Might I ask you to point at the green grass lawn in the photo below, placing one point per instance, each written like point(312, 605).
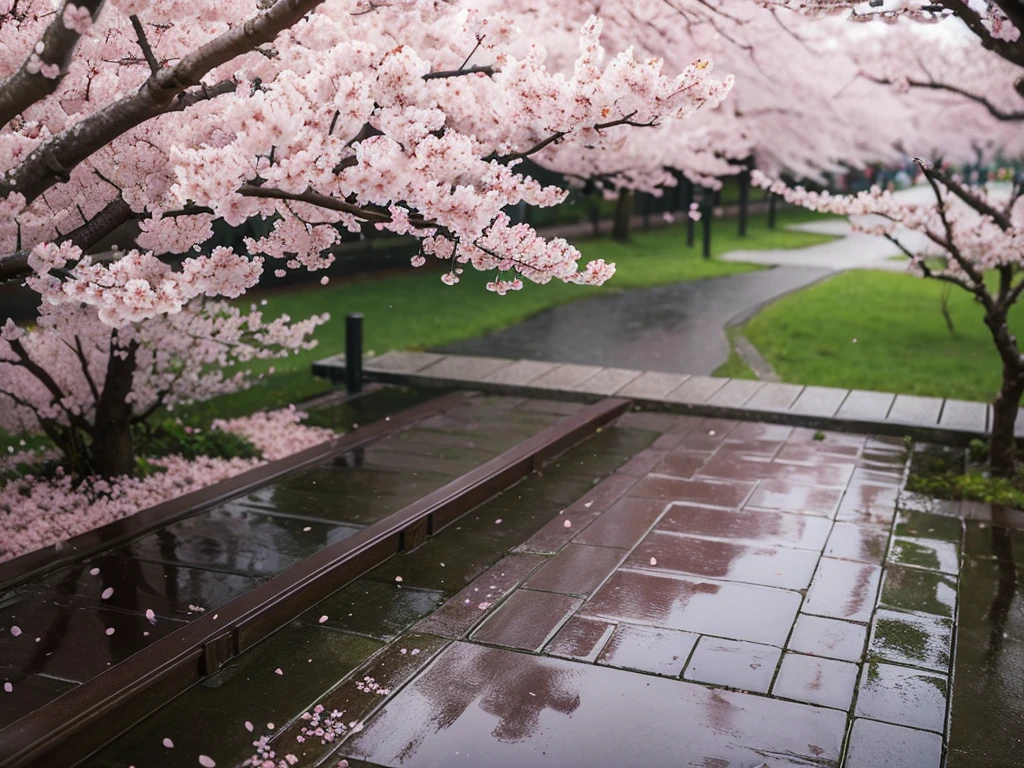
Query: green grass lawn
point(417, 311)
point(902, 342)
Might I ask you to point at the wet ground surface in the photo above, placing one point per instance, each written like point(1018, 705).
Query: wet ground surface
point(677, 328)
point(67, 627)
point(674, 591)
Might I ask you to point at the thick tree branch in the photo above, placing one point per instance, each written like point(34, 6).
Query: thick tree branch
point(24, 87)
point(1011, 51)
point(481, 69)
point(113, 215)
point(53, 161)
point(996, 112)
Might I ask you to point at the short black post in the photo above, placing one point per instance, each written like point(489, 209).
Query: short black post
point(354, 352)
point(772, 197)
point(706, 215)
point(744, 200)
point(646, 209)
point(687, 202)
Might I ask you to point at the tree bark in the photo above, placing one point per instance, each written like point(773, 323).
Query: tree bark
point(623, 216)
point(1003, 445)
point(1003, 448)
point(112, 450)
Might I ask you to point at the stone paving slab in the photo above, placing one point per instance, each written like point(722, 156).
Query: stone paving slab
point(925, 418)
point(773, 607)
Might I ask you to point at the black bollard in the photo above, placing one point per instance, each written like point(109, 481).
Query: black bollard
point(354, 352)
point(771, 210)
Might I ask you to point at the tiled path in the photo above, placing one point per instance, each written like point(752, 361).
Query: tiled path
point(741, 557)
point(77, 621)
point(730, 594)
point(929, 418)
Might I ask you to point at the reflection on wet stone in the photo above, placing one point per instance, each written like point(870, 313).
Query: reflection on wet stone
point(829, 638)
point(513, 709)
point(527, 619)
point(880, 745)
point(769, 566)
point(864, 543)
point(843, 590)
point(910, 589)
point(580, 639)
point(911, 639)
point(756, 526)
point(648, 649)
point(371, 608)
point(826, 682)
point(902, 696)
point(732, 663)
point(721, 608)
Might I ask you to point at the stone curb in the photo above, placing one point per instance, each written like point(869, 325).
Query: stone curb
point(923, 418)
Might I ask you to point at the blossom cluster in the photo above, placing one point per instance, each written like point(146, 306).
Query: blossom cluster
point(967, 240)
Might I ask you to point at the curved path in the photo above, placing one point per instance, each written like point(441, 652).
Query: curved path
point(675, 328)
point(680, 328)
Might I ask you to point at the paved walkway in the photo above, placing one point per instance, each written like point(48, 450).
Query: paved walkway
point(675, 591)
point(675, 329)
point(928, 418)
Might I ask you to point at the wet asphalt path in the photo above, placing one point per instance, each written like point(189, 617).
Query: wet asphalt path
point(677, 328)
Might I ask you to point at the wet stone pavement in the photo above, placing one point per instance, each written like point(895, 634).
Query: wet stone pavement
point(68, 626)
point(674, 591)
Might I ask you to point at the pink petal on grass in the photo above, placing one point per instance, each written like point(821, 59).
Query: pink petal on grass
point(105, 595)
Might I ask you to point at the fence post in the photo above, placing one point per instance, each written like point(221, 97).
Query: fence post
point(354, 352)
point(771, 210)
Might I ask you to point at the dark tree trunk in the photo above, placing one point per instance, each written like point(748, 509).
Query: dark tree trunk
point(771, 210)
point(691, 225)
point(705, 219)
point(623, 216)
point(112, 450)
point(744, 202)
point(1003, 446)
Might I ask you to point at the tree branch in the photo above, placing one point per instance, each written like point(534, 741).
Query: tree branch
point(483, 69)
point(55, 158)
point(24, 88)
point(996, 112)
point(147, 51)
point(974, 201)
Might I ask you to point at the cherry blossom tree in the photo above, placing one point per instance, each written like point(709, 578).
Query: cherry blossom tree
point(411, 116)
point(971, 236)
